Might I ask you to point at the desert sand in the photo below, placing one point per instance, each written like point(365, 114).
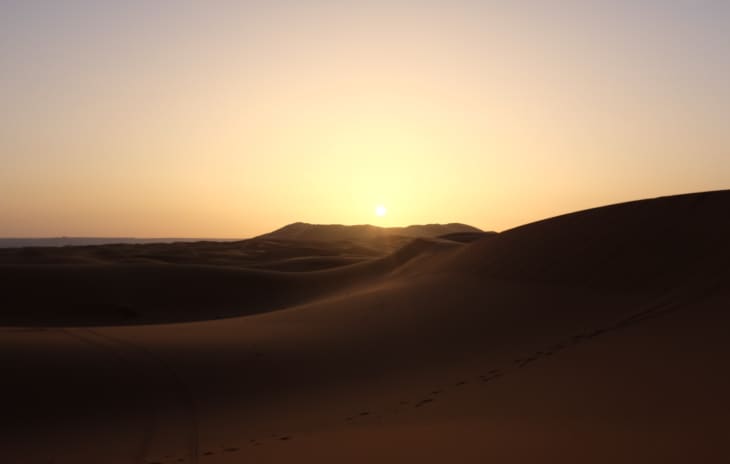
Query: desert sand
point(599, 336)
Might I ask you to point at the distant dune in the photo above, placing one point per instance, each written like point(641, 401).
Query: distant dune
point(598, 336)
point(86, 241)
point(466, 237)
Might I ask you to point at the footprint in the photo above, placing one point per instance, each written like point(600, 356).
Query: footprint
point(284, 438)
point(364, 413)
point(424, 402)
point(230, 450)
point(208, 453)
point(527, 361)
point(459, 384)
point(488, 378)
point(436, 392)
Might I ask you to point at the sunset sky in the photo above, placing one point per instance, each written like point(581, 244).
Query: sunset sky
point(230, 119)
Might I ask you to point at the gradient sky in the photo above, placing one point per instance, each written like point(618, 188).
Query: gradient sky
point(229, 119)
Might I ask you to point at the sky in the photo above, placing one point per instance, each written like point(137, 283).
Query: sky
point(231, 118)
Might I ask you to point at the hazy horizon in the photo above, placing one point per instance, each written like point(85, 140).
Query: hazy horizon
point(231, 119)
point(155, 239)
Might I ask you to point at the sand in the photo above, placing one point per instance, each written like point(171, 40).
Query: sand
point(599, 336)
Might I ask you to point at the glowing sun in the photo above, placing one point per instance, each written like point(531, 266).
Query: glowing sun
point(381, 210)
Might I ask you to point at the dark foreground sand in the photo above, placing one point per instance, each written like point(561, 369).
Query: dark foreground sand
point(600, 336)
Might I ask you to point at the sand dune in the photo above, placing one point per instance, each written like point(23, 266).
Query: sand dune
point(121, 293)
point(592, 337)
point(659, 242)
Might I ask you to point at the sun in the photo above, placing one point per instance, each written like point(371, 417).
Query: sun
point(381, 210)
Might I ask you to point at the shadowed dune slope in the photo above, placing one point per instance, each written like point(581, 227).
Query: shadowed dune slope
point(647, 243)
point(466, 237)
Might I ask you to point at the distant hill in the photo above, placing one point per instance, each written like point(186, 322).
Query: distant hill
point(333, 232)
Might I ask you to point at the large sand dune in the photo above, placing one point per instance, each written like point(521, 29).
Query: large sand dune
point(599, 336)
